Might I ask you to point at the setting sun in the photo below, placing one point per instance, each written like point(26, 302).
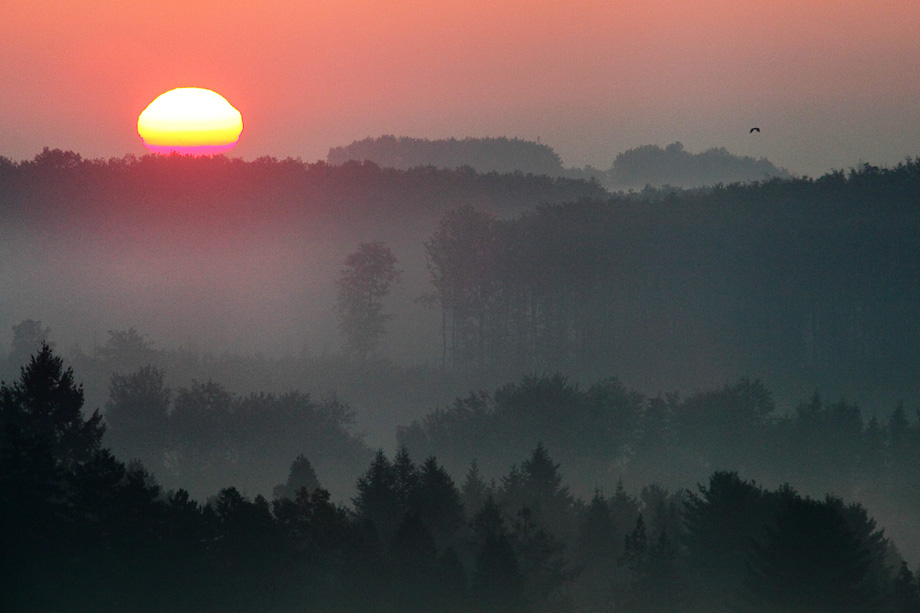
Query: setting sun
point(190, 120)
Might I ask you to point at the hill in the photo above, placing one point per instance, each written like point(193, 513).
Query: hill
point(502, 155)
point(677, 167)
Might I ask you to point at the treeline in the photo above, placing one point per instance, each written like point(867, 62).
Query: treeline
point(648, 165)
point(202, 434)
point(809, 283)
point(197, 418)
point(195, 432)
point(502, 155)
point(266, 186)
point(677, 167)
point(82, 531)
point(606, 429)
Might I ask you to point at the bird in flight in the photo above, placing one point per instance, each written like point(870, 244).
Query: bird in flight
point(754, 130)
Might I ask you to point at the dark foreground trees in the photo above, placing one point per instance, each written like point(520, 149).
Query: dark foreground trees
point(81, 531)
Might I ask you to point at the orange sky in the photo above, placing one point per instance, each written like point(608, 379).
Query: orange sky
point(831, 83)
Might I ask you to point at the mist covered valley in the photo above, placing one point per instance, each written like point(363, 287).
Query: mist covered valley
point(628, 344)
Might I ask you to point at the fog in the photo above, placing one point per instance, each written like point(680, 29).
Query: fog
point(353, 381)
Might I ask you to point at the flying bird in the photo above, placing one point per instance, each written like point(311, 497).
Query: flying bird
point(754, 130)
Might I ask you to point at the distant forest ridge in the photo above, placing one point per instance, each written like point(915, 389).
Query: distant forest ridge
point(635, 168)
point(675, 166)
point(59, 177)
point(483, 154)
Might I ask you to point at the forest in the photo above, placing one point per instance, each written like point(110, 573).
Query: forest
point(83, 531)
point(634, 168)
point(280, 383)
point(500, 155)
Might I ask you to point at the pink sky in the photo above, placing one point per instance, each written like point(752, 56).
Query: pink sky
point(830, 83)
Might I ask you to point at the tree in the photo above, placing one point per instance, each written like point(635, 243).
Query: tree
point(28, 337)
point(721, 522)
point(137, 414)
point(537, 485)
point(497, 584)
point(656, 583)
point(378, 501)
point(905, 592)
point(44, 408)
point(596, 548)
point(250, 546)
point(474, 491)
point(201, 428)
point(414, 556)
point(406, 480)
point(44, 442)
point(811, 561)
point(362, 285)
point(596, 541)
point(301, 476)
point(543, 566)
point(438, 502)
point(461, 258)
point(126, 349)
point(898, 430)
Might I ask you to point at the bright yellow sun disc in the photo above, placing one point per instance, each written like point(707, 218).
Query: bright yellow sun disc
point(190, 120)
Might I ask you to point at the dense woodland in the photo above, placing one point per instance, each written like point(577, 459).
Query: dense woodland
point(83, 531)
point(759, 339)
point(805, 282)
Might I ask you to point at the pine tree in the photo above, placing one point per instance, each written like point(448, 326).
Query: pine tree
point(45, 441)
point(377, 501)
point(811, 560)
point(438, 502)
point(301, 476)
point(406, 480)
point(905, 591)
point(497, 582)
point(45, 408)
point(414, 556)
point(474, 491)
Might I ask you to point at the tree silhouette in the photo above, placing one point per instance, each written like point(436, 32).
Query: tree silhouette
point(414, 556)
point(656, 584)
point(905, 592)
point(462, 261)
point(301, 476)
point(377, 501)
point(497, 583)
point(201, 428)
point(721, 521)
point(438, 502)
point(45, 441)
point(28, 337)
point(811, 561)
point(362, 285)
point(474, 491)
point(45, 408)
point(126, 349)
point(137, 414)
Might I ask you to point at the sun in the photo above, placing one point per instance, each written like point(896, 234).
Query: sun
point(190, 120)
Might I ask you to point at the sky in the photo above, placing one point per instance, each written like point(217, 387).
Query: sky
point(830, 83)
